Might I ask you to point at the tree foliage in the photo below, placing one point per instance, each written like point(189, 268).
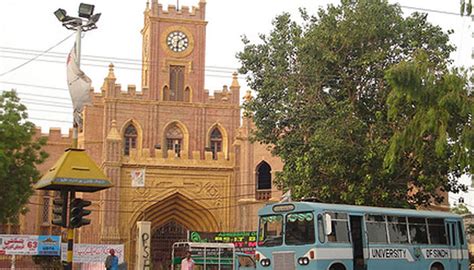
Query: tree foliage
point(19, 155)
point(460, 209)
point(322, 104)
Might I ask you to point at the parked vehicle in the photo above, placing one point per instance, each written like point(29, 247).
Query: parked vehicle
point(304, 235)
point(211, 256)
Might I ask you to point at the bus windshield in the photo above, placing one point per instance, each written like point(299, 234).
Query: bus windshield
point(299, 229)
point(270, 231)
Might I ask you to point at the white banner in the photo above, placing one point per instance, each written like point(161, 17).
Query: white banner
point(138, 177)
point(14, 244)
point(90, 253)
point(79, 86)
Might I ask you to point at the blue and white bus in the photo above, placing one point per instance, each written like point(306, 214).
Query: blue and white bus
point(305, 235)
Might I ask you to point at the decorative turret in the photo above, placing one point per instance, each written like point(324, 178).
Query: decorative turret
point(235, 88)
point(113, 144)
point(111, 198)
point(108, 87)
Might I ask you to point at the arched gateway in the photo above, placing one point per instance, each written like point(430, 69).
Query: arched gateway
point(171, 219)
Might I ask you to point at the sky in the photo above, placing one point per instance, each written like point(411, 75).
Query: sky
point(28, 28)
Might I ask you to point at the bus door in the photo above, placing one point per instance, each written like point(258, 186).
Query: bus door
point(455, 244)
point(357, 242)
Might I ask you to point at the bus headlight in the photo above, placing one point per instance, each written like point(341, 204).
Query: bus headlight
point(303, 261)
point(265, 262)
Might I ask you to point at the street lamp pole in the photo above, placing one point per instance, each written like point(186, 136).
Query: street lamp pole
point(86, 21)
point(75, 127)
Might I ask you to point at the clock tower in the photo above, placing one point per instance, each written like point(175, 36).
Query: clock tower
point(173, 61)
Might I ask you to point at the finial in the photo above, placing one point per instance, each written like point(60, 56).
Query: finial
point(111, 74)
point(235, 81)
point(113, 132)
point(248, 96)
point(147, 5)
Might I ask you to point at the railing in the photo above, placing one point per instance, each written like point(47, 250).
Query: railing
point(263, 194)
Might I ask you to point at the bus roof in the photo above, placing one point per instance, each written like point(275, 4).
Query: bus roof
point(311, 206)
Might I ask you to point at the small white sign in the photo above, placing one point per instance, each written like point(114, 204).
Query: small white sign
point(138, 177)
point(90, 253)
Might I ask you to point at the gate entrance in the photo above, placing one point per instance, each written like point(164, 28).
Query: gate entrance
point(162, 241)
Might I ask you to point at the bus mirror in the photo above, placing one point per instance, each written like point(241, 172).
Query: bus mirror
point(327, 224)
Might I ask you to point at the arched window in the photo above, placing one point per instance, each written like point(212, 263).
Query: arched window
point(216, 142)
point(166, 93)
point(176, 83)
point(174, 140)
point(264, 176)
point(187, 94)
point(130, 139)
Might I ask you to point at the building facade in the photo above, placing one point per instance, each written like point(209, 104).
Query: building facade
point(176, 155)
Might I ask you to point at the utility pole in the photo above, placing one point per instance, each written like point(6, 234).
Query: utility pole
point(64, 178)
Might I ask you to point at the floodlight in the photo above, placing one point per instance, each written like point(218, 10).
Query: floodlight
point(60, 14)
point(86, 10)
point(94, 18)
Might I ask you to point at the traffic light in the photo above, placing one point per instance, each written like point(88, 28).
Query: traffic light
point(60, 210)
point(78, 213)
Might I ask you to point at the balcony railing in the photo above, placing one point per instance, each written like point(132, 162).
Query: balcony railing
point(263, 194)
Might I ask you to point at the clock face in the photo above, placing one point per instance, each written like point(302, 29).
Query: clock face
point(177, 41)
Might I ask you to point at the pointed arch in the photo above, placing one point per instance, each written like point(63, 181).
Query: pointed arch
point(263, 176)
point(179, 207)
point(171, 138)
point(126, 127)
point(165, 93)
point(187, 94)
point(225, 138)
point(175, 207)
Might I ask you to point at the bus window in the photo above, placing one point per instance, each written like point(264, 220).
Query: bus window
point(418, 233)
point(321, 235)
point(376, 228)
point(437, 231)
point(461, 234)
point(397, 230)
point(299, 229)
point(340, 229)
point(270, 231)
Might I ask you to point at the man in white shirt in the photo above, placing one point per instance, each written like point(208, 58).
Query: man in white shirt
point(187, 263)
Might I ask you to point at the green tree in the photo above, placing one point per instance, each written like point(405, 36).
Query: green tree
point(19, 155)
point(321, 102)
point(460, 209)
point(431, 112)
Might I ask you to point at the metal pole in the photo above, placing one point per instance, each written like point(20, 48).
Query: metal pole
point(75, 129)
point(13, 262)
point(75, 136)
point(70, 238)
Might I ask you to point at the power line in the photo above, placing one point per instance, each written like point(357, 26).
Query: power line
point(431, 10)
point(101, 58)
point(35, 86)
point(36, 57)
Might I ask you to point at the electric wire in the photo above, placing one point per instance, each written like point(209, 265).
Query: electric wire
point(36, 57)
point(107, 59)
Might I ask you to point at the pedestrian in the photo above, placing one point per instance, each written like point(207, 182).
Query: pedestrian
point(111, 262)
point(187, 263)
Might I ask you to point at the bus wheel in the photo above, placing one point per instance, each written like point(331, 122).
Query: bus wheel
point(437, 266)
point(337, 266)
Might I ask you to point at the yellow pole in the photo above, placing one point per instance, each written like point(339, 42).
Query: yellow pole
point(70, 236)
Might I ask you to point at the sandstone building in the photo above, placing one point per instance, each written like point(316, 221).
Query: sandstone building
point(200, 170)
